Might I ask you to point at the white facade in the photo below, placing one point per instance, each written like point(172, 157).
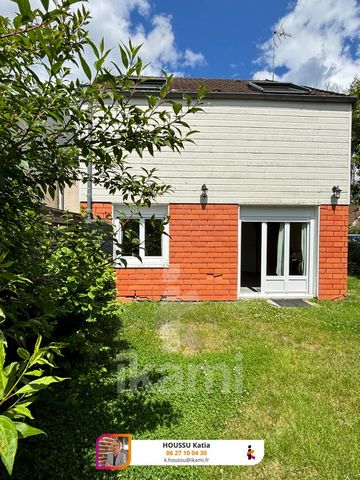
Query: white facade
point(257, 152)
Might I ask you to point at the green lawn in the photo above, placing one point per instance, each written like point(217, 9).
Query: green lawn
point(298, 383)
point(297, 387)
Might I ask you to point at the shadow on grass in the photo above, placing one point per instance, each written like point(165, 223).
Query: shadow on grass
point(74, 413)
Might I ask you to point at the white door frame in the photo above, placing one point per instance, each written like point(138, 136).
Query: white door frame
point(286, 215)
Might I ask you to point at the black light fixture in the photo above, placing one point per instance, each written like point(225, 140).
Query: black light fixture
point(204, 190)
point(336, 191)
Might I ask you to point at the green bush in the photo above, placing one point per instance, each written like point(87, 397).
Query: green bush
point(70, 298)
point(355, 230)
point(354, 259)
point(70, 282)
point(83, 288)
point(19, 384)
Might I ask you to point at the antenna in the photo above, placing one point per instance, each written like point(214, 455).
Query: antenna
point(278, 34)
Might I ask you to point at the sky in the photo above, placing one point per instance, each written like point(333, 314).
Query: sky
point(233, 38)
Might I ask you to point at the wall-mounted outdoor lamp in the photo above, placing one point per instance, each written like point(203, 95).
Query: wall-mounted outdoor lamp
point(336, 191)
point(204, 196)
point(204, 190)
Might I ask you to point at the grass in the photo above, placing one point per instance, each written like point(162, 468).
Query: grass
point(297, 387)
point(300, 385)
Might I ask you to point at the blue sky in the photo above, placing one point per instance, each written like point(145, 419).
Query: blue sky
point(233, 38)
point(227, 33)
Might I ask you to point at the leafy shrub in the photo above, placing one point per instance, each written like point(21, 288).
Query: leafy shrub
point(18, 389)
point(354, 259)
point(83, 287)
point(70, 283)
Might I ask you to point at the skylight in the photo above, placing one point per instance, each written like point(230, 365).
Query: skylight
point(268, 86)
point(151, 83)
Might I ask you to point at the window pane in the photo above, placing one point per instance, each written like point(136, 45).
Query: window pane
point(275, 248)
point(298, 248)
point(130, 237)
point(153, 237)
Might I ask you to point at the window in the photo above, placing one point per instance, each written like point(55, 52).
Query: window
point(143, 235)
point(269, 86)
point(298, 248)
point(275, 249)
point(149, 84)
point(130, 237)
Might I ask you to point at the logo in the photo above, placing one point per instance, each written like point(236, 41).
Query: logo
point(250, 453)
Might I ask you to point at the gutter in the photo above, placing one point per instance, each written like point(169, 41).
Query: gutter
point(257, 96)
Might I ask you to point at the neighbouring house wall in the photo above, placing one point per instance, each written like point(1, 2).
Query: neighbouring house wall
point(256, 152)
point(203, 258)
point(53, 202)
point(333, 247)
point(71, 199)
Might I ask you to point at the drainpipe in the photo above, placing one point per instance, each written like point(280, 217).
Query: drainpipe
point(89, 181)
point(89, 193)
point(62, 200)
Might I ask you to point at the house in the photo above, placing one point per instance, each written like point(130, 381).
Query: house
point(260, 203)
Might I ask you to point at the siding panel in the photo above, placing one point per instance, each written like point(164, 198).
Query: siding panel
point(253, 152)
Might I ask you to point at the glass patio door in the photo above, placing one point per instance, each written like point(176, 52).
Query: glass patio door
point(285, 258)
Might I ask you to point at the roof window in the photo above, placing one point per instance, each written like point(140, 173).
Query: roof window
point(268, 86)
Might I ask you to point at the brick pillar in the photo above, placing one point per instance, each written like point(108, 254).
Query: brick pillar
point(333, 248)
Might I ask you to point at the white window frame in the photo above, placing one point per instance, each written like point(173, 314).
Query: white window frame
point(158, 212)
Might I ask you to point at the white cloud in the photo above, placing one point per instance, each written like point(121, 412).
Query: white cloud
point(319, 51)
point(114, 20)
point(193, 59)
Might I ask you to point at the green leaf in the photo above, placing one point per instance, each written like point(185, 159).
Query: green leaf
point(24, 354)
point(24, 7)
point(3, 377)
point(45, 4)
point(19, 411)
point(124, 57)
point(35, 373)
point(177, 107)
point(38, 384)
point(8, 442)
point(71, 2)
point(26, 430)
point(102, 45)
point(85, 67)
point(152, 101)
point(17, 21)
point(94, 47)
point(9, 377)
point(37, 344)
point(2, 354)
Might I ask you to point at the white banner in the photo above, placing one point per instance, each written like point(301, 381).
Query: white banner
point(196, 452)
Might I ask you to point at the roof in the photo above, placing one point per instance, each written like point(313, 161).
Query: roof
point(262, 89)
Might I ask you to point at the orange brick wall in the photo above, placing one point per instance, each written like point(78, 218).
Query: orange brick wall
point(333, 246)
point(102, 210)
point(203, 258)
point(204, 255)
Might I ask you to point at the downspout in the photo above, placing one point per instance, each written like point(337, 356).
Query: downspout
point(89, 182)
point(89, 193)
point(62, 200)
